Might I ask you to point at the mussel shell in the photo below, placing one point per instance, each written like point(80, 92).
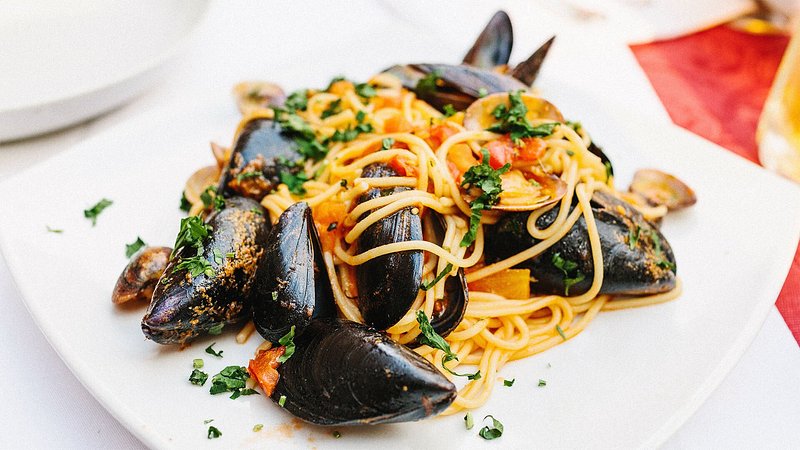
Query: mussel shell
point(493, 46)
point(139, 278)
point(527, 71)
point(389, 284)
point(292, 285)
point(597, 151)
point(185, 307)
point(345, 373)
point(262, 148)
point(639, 270)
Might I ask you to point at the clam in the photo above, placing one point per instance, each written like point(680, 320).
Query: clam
point(141, 274)
point(659, 188)
point(252, 96)
point(479, 115)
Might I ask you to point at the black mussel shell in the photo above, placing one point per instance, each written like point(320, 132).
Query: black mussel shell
point(292, 285)
point(493, 46)
point(345, 373)
point(637, 259)
point(389, 284)
point(527, 71)
point(261, 153)
point(185, 307)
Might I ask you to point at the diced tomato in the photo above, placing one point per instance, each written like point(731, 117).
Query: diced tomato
point(461, 157)
point(501, 151)
point(324, 215)
point(440, 133)
point(263, 369)
point(531, 149)
point(403, 166)
point(396, 124)
point(390, 101)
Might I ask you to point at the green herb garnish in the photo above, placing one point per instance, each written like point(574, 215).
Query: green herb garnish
point(196, 265)
point(287, 340)
point(513, 120)
point(210, 351)
point(213, 432)
point(366, 90)
point(449, 110)
point(53, 230)
point(240, 392)
point(633, 236)
point(351, 132)
point(432, 339)
point(95, 210)
point(542, 383)
point(197, 363)
point(487, 179)
point(297, 100)
point(216, 330)
point(191, 234)
point(387, 143)
point(198, 377)
point(468, 421)
point(509, 383)
point(186, 206)
point(429, 83)
point(282, 401)
point(294, 182)
point(258, 427)
point(493, 432)
point(609, 170)
point(483, 92)
point(572, 275)
point(134, 247)
point(334, 107)
point(425, 286)
point(230, 379)
point(561, 332)
point(335, 79)
point(240, 177)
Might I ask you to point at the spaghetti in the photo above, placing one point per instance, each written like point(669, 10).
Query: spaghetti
point(425, 146)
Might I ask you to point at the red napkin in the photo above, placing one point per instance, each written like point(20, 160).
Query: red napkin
point(714, 84)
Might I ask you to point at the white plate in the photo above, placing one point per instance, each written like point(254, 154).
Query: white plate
point(629, 380)
point(64, 62)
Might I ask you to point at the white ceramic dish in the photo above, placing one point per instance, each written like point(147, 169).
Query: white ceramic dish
point(630, 380)
point(65, 62)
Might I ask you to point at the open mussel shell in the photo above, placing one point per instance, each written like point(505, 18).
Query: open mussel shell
point(493, 46)
point(528, 70)
point(462, 85)
point(345, 373)
point(479, 114)
point(184, 307)
point(659, 188)
point(260, 154)
point(388, 284)
point(637, 259)
point(292, 286)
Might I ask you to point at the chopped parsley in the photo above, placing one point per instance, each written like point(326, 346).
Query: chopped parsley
point(366, 90)
point(197, 363)
point(633, 236)
point(334, 107)
point(210, 350)
point(207, 421)
point(297, 100)
point(493, 432)
point(287, 340)
point(185, 204)
point(425, 286)
point(196, 265)
point(282, 401)
point(542, 383)
point(512, 120)
point(387, 143)
point(449, 110)
point(572, 275)
point(483, 92)
point(429, 83)
point(487, 179)
point(240, 177)
point(198, 377)
point(217, 255)
point(240, 392)
point(561, 332)
point(431, 338)
point(95, 210)
point(258, 427)
point(213, 432)
point(216, 330)
point(294, 182)
point(257, 211)
point(609, 170)
point(509, 383)
point(468, 421)
point(134, 247)
point(275, 296)
point(350, 133)
point(191, 234)
point(230, 379)
point(662, 261)
point(53, 230)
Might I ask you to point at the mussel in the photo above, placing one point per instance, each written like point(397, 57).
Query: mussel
point(345, 373)
point(140, 276)
point(493, 46)
point(387, 285)
point(261, 153)
point(292, 285)
point(183, 306)
point(637, 259)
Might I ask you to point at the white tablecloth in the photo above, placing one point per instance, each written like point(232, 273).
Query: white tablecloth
point(45, 406)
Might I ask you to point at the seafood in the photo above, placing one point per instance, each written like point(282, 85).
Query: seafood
point(493, 46)
point(659, 188)
point(388, 284)
point(292, 286)
point(637, 259)
point(261, 153)
point(345, 373)
point(141, 274)
point(186, 305)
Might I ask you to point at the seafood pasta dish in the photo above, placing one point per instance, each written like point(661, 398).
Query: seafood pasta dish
point(386, 238)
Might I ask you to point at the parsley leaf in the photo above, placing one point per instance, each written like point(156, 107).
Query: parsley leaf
point(197, 363)
point(633, 236)
point(487, 179)
point(213, 432)
point(425, 286)
point(53, 230)
point(294, 182)
point(95, 210)
point(335, 79)
point(561, 332)
point(365, 90)
point(282, 401)
point(468, 421)
point(258, 427)
point(134, 247)
point(542, 383)
point(387, 143)
point(191, 234)
point(429, 83)
point(287, 341)
point(449, 110)
point(662, 261)
point(198, 377)
point(431, 338)
point(513, 120)
point(351, 132)
point(334, 107)
point(509, 383)
point(185, 204)
point(210, 350)
point(216, 330)
point(297, 100)
point(195, 265)
point(572, 275)
point(493, 432)
point(230, 379)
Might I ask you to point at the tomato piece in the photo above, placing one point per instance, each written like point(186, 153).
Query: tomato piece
point(460, 155)
point(531, 149)
point(326, 214)
point(403, 166)
point(396, 124)
point(510, 283)
point(501, 152)
point(440, 133)
point(264, 369)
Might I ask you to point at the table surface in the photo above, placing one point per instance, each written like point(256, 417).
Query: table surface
point(758, 405)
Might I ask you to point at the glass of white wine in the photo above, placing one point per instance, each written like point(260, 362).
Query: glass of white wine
point(778, 134)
